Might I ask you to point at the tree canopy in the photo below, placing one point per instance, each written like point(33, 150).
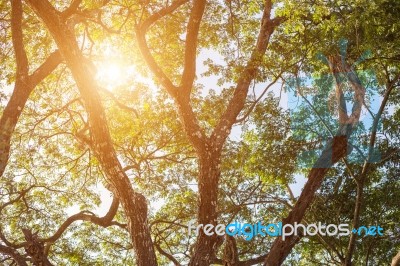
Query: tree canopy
point(124, 121)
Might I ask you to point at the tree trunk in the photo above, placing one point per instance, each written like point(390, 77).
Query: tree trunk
point(335, 150)
point(133, 203)
point(24, 83)
point(9, 120)
point(209, 173)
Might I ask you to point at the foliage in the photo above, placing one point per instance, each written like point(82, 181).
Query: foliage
point(54, 170)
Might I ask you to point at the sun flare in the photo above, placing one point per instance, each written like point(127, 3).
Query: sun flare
point(111, 74)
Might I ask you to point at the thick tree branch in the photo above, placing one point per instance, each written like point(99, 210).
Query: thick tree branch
point(14, 255)
point(192, 32)
point(335, 149)
point(17, 40)
point(167, 255)
point(45, 68)
point(133, 203)
point(396, 260)
point(144, 48)
point(145, 25)
point(238, 100)
point(104, 221)
point(24, 84)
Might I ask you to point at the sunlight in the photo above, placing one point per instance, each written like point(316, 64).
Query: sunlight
point(115, 70)
point(111, 74)
point(112, 69)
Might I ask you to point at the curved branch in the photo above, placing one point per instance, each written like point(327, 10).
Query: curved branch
point(396, 260)
point(104, 221)
point(335, 149)
point(23, 87)
point(151, 62)
point(160, 14)
point(14, 255)
point(167, 255)
point(45, 68)
point(141, 30)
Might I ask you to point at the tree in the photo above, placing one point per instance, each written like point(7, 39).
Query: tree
point(139, 152)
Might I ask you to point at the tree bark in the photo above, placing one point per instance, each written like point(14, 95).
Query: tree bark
point(210, 157)
point(209, 173)
point(360, 180)
point(24, 83)
point(336, 149)
point(133, 203)
point(18, 259)
point(208, 149)
point(396, 260)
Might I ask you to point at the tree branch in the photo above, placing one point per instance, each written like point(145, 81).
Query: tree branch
point(366, 167)
point(71, 9)
point(335, 149)
point(45, 68)
point(104, 221)
point(17, 40)
point(237, 102)
point(192, 31)
point(396, 260)
point(167, 255)
point(133, 203)
point(23, 87)
point(14, 255)
point(24, 84)
point(145, 25)
point(144, 48)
